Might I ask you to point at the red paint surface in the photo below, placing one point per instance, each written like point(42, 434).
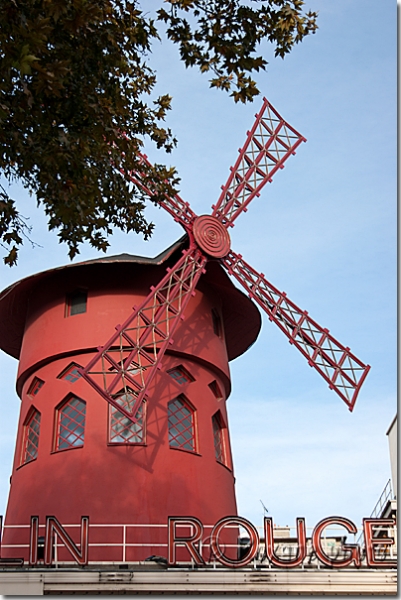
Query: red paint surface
point(118, 483)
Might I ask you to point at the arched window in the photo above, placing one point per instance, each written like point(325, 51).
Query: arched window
point(218, 438)
point(181, 427)
point(31, 436)
point(121, 429)
point(70, 424)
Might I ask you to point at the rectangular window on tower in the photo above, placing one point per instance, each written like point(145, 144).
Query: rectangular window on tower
point(76, 303)
point(121, 429)
point(217, 324)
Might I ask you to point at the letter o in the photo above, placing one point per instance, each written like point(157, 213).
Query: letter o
point(215, 547)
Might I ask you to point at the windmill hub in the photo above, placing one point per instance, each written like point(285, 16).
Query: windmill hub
point(211, 236)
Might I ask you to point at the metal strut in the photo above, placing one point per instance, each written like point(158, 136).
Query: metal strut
point(123, 369)
point(126, 364)
point(342, 370)
point(269, 143)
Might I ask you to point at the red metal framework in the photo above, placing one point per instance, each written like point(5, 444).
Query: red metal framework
point(136, 349)
point(122, 429)
point(342, 370)
point(269, 143)
point(134, 353)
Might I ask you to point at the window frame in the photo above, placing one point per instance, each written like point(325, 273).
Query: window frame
point(71, 365)
point(69, 302)
point(228, 463)
point(184, 371)
point(189, 406)
point(36, 381)
point(26, 427)
point(126, 443)
point(56, 434)
point(217, 322)
point(216, 390)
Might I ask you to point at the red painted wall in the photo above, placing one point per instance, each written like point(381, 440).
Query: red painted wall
point(123, 483)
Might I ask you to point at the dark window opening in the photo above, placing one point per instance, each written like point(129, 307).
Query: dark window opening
point(180, 375)
point(181, 429)
point(217, 325)
point(76, 303)
point(71, 373)
point(214, 386)
point(35, 386)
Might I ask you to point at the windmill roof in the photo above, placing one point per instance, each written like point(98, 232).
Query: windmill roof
point(242, 321)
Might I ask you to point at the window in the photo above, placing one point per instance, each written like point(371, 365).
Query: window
point(217, 325)
point(76, 303)
point(180, 375)
point(35, 386)
point(181, 430)
point(214, 386)
point(31, 436)
point(70, 373)
point(71, 424)
point(218, 438)
point(122, 430)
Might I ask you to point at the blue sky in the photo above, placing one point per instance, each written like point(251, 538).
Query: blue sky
point(324, 232)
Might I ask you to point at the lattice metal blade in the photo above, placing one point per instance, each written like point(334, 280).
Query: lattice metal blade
point(180, 210)
point(342, 370)
point(269, 144)
point(124, 367)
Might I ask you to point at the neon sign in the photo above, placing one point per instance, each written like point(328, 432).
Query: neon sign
point(192, 543)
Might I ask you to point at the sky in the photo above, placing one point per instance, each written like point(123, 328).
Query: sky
point(324, 232)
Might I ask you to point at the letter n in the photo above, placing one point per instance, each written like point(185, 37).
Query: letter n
point(80, 556)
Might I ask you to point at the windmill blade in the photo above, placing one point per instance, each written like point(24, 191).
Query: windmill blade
point(124, 367)
point(180, 210)
point(342, 370)
point(269, 144)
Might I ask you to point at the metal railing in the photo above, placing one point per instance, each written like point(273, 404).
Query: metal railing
point(385, 496)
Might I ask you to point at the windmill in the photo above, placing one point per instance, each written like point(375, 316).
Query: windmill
point(132, 356)
point(159, 445)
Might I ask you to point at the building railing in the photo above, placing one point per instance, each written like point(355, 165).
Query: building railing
point(377, 512)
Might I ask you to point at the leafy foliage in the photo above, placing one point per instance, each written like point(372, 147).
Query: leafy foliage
point(74, 79)
point(226, 35)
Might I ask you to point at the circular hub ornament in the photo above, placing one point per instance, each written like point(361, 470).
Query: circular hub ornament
point(211, 236)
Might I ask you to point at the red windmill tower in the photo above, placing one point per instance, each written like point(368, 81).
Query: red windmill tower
point(163, 373)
